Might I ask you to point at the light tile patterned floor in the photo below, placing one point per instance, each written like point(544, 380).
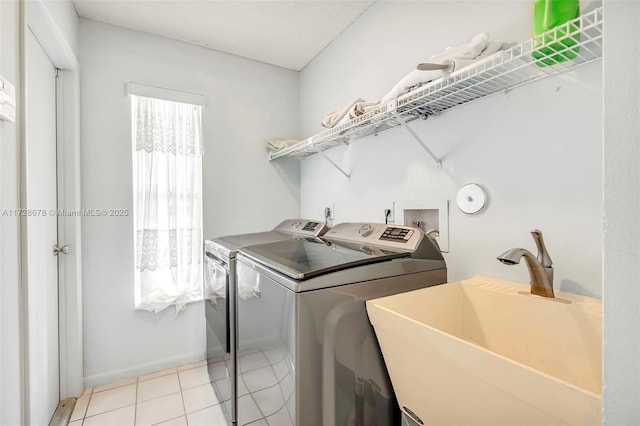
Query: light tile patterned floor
point(175, 397)
point(265, 389)
point(184, 396)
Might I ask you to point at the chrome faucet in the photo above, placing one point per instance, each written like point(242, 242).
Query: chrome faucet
point(540, 269)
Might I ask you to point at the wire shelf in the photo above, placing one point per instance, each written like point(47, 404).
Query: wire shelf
point(565, 47)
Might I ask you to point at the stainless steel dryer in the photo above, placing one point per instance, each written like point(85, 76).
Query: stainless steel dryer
point(219, 285)
point(307, 353)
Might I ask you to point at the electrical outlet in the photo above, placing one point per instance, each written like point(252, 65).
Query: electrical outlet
point(329, 213)
point(388, 214)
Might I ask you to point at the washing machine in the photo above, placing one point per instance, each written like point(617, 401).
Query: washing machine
point(219, 285)
point(306, 352)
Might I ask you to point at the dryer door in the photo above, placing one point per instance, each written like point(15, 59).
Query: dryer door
point(216, 290)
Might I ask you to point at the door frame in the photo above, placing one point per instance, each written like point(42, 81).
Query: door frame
point(36, 17)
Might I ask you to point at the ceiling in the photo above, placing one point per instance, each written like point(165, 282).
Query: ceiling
point(287, 34)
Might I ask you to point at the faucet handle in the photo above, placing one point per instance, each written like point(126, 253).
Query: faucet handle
point(543, 254)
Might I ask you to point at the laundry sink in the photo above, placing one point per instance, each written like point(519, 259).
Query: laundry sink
point(484, 351)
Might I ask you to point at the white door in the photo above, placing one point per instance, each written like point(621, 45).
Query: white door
point(42, 234)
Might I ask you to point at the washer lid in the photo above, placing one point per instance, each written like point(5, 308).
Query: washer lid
point(228, 246)
point(305, 258)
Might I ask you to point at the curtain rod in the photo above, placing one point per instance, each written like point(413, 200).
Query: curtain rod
point(148, 90)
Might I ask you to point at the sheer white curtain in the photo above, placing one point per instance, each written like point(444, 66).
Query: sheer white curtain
point(167, 169)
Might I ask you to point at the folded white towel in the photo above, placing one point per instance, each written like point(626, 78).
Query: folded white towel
point(333, 118)
point(457, 64)
point(470, 50)
point(414, 78)
point(277, 144)
point(357, 110)
point(362, 108)
point(460, 57)
point(493, 46)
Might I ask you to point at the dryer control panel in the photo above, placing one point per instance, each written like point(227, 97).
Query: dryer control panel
point(377, 234)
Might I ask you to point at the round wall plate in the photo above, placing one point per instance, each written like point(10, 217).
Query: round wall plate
point(471, 198)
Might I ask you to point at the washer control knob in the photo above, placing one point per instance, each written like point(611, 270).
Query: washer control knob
point(365, 230)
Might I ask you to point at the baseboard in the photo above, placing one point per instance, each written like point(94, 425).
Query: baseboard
point(141, 369)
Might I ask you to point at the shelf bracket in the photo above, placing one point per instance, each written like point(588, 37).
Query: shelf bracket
point(417, 138)
point(348, 175)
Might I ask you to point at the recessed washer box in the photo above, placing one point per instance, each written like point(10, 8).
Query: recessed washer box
point(428, 215)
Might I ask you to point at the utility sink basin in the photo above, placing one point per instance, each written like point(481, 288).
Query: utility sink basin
point(484, 351)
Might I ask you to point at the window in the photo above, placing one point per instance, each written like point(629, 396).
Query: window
point(167, 202)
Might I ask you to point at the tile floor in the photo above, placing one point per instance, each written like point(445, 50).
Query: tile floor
point(175, 397)
point(265, 389)
point(183, 396)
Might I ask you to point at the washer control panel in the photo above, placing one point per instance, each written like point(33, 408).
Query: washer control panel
point(401, 235)
point(311, 228)
point(379, 234)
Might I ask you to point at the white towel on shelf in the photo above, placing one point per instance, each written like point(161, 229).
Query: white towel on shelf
point(353, 110)
point(335, 117)
point(409, 81)
point(356, 110)
point(470, 50)
point(278, 144)
point(460, 56)
point(493, 46)
point(362, 108)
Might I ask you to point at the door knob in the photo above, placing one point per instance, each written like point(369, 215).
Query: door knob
point(57, 249)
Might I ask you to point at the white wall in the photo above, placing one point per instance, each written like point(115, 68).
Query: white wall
point(246, 102)
point(11, 387)
point(64, 14)
point(621, 295)
point(536, 150)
